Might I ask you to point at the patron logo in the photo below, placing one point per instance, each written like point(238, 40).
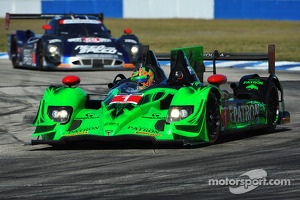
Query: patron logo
point(245, 113)
point(142, 129)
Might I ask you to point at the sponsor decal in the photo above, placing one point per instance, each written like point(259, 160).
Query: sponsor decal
point(76, 133)
point(80, 21)
point(140, 130)
point(89, 116)
point(212, 55)
point(190, 69)
point(85, 130)
point(253, 82)
point(101, 56)
point(240, 114)
point(127, 98)
point(95, 40)
point(28, 56)
point(33, 58)
point(32, 40)
point(130, 41)
point(154, 116)
point(95, 49)
point(252, 87)
point(111, 123)
point(54, 41)
point(144, 131)
point(225, 116)
point(147, 133)
point(245, 113)
point(74, 40)
point(108, 132)
point(89, 40)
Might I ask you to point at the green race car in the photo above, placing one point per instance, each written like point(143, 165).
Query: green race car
point(153, 107)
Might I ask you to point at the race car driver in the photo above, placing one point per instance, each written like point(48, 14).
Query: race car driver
point(144, 77)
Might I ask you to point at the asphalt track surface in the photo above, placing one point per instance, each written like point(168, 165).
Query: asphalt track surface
point(135, 171)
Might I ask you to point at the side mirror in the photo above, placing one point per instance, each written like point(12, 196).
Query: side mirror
point(46, 27)
point(71, 80)
point(217, 79)
point(127, 31)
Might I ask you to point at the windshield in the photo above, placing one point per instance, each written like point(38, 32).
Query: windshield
point(129, 87)
point(83, 30)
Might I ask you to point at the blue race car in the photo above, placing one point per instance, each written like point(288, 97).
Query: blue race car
point(73, 42)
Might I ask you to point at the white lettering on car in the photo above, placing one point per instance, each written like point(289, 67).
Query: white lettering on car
point(54, 41)
point(95, 49)
point(130, 41)
point(74, 40)
point(89, 40)
point(245, 113)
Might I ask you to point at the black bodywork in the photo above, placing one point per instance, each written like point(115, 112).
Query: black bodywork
point(74, 42)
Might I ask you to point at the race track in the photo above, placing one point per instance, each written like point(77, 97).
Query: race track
point(135, 171)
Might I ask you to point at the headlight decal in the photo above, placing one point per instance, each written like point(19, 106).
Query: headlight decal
point(134, 49)
point(53, 49)
point(60, 114)
point(177, 113)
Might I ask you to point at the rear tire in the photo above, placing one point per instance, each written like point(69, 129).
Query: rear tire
point(272, 108)
point(14, 52)
point(212, 118)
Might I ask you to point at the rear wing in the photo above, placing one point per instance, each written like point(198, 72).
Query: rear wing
point(269, 56)
point(9, 16)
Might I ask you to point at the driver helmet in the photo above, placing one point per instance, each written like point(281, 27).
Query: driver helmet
point(144, 76)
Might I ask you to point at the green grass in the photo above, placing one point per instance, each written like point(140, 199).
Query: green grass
point(223, 35)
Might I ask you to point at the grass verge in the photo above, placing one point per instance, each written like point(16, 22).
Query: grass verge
point(223, 35)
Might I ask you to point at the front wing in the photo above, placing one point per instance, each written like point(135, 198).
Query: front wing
point(65, 140)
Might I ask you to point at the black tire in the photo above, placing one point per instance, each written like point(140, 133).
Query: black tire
point(14, 53)
point(212, 118)
point(272, 108)
point(40, 56)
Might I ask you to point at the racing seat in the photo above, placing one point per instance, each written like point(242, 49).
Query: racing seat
point(152, 64)
point(180, 74)
point(29, 34)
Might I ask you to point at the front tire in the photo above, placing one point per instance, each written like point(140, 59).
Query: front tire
point(212, 118)
point(40, 56)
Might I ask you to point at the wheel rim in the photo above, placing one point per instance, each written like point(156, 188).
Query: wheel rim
point(273, 106)
point(212, 118)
